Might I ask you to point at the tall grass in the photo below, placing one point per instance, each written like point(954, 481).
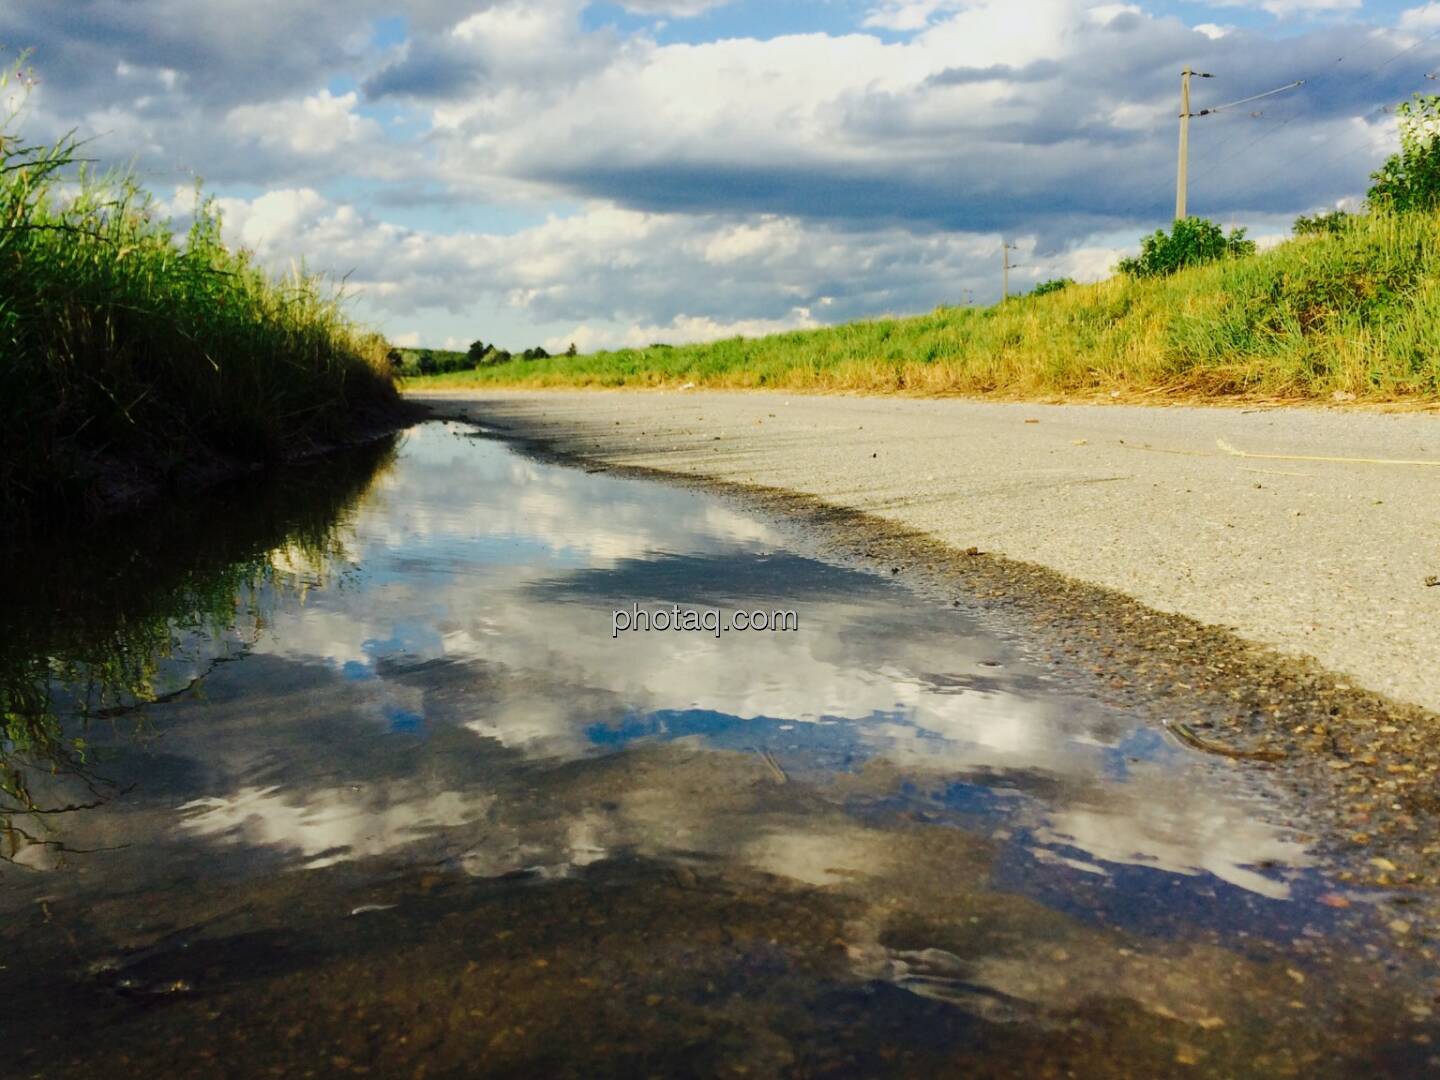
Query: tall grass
point(1357, 312)
point(121, 346)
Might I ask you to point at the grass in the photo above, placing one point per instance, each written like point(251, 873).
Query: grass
point(121, 346)
point(1357, 312)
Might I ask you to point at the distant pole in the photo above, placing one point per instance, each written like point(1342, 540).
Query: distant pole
point(1182, 179)
point(1005, 250)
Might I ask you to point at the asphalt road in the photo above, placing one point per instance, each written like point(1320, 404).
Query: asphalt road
point(1324, 558)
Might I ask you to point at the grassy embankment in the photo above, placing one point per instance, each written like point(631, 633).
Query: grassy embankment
point(129, 359)
point(1352, 313)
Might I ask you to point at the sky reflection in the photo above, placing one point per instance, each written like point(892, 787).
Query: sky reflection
point(479, 599)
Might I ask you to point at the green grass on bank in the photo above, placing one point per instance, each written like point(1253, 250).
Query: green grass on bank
point(123, 349)
point(1357, 312)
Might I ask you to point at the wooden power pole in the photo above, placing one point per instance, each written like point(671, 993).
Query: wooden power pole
point(1005, 250)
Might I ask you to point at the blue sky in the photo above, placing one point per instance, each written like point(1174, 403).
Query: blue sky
point(547, 171)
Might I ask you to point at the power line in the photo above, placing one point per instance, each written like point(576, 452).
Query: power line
point(1317, 85)
point(1252, 97)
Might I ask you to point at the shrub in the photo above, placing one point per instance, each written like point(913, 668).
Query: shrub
point(1410, 180)
point(1052, 286)
point(1329, 223)
point(1193, 242)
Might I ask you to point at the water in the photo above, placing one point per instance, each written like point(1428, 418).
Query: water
point(407, 805)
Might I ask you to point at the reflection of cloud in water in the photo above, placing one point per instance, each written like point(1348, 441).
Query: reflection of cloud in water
point(824, 856)
point(334, 824)
point(454, 487)
point(525, 632)
point(1152, 821)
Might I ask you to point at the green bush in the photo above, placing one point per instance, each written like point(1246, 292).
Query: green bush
point(1052, 286)
point(1329, 223)
point(1194, 241)
point(1410, 180)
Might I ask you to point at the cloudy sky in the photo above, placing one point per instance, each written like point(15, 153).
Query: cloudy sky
point(670, 170)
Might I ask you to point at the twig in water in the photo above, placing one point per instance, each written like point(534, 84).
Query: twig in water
point(1195, 742)
point(775, 769)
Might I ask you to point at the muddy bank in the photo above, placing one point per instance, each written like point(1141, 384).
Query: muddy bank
point(100, 487)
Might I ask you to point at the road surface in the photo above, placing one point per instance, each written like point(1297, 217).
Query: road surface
point(1175, 507)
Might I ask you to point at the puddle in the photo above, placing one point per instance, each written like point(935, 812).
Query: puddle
point(408, 805)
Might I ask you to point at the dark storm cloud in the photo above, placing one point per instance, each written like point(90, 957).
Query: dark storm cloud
point(1058, 154)
point(431, 69)
point(1039, 71)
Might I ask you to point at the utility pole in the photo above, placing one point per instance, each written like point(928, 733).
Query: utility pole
point(1182, 178)
point(1182, 181)
point(1005, 250)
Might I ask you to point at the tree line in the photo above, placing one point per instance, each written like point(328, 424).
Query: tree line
point(410, 362)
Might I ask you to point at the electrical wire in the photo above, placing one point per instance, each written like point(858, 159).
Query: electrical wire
point(1317, 82)
point(1252, 97)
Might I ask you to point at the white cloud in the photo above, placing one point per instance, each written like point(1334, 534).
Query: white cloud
point(905, 14)
point(705, 186)
point(268, 225)
point(315, 125)
point(1421, 18)
point(621, 277)
point(678, 9)
point(1290, 8)
point(681, 330)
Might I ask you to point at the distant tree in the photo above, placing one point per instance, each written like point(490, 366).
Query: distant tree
point(1194, 241)
point(1054, 285)
point(536, 353)
point(395, 358)
point(572, 351)
point(426, 364)
point(1327, 223)
point(476, 352)
point(1410, 180)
